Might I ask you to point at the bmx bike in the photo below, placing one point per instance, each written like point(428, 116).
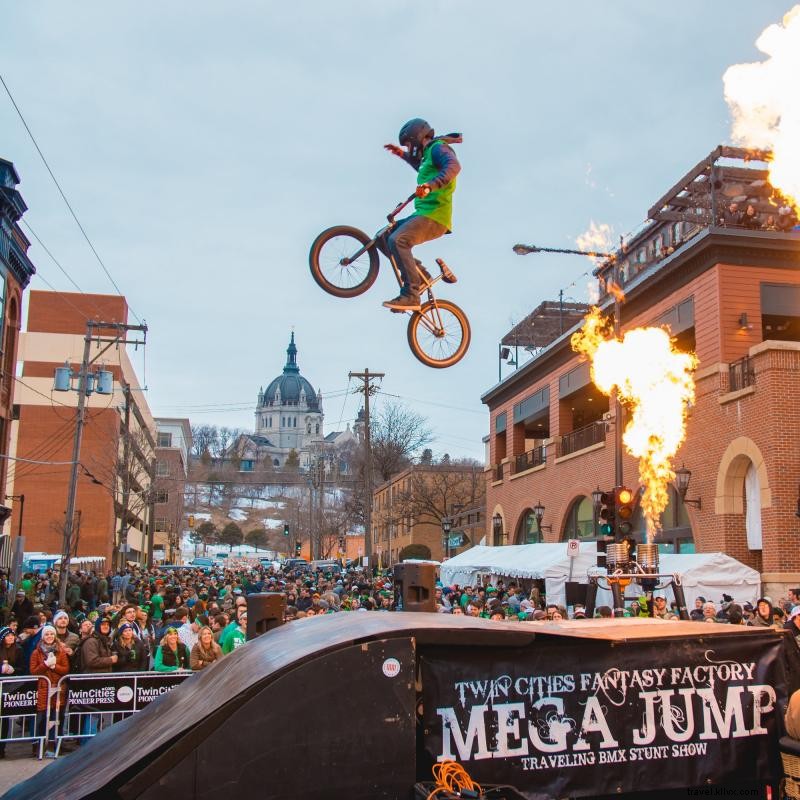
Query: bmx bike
point(344, 262)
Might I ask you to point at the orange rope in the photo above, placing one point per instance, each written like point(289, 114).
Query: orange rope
point(452, 777)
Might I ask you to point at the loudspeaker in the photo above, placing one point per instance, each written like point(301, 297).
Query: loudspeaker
point(576, 593)
point(414, 587)
point(264, 612)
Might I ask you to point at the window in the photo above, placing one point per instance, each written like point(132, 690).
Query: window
point(676, 233)
point(658, 246)
point(580, 522)
point(528, 531)
point(161, 523)
point(162, 469)
point(162, 496)
point(247, 465)
point(164, 439)
point(318, 428)
point(641, 256)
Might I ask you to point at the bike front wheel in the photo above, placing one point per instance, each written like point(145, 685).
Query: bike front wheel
point(340, 264)
point(439, 334)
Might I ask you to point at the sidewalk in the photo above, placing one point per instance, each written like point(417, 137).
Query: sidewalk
point(18, 765)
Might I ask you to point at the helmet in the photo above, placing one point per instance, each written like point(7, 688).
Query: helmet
point(413, 133)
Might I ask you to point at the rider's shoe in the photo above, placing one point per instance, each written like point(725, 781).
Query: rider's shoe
point(403, 302)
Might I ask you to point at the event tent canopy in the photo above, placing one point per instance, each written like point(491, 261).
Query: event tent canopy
point(709, 575)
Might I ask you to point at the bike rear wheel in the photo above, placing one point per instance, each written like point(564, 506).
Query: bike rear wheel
point(439, 334)
point(334, 246)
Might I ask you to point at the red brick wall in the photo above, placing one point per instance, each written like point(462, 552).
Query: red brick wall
point(48, 312)
point(769, 416)
point(46, 434)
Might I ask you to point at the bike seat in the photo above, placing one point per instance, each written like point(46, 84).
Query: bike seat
point(448, 276)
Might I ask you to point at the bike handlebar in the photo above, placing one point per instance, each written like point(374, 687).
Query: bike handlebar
point(400, 207)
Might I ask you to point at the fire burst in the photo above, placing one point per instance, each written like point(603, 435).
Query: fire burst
point(655, 382)
point(765, 103)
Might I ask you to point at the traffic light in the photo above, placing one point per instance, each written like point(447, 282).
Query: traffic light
point(605, 514)
point(624, 511)
point(191, 520)
point(285, 528)
point(297, 548)
point(341, 544)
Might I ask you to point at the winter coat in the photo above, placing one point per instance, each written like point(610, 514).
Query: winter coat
point(171, 660)
point(13, 655)
point(96, 654)
point(39, 667)
point(130, 659)
point(200, 659)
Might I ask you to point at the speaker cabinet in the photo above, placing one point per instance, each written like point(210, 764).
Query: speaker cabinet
point(414, 587)
point(264, 612)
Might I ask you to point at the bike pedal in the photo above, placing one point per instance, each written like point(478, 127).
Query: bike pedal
point(448, 276)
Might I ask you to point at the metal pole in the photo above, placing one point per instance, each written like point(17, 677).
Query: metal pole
point(126, 479)
point(368, 474)
point(21, 512)
point(618, 477)
point(80, 415)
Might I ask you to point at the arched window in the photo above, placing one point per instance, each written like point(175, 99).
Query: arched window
point(276, 463)
point(580, 522)
point(318, 428)
point(752, 507)
point(675, 534)
point(528, 531)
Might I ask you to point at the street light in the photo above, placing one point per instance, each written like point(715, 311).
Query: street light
point(682, 478)
point(446, 525)
point(497, 522)
point(538, 512)
point(597, 497)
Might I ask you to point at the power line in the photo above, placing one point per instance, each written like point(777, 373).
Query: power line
point(63, 196)
point(31, 461)
point(52, 257)
point(61, 295)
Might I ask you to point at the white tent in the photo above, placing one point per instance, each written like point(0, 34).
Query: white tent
point(709, 575)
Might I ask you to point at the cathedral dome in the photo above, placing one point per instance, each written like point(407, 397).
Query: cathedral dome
point(287, 388)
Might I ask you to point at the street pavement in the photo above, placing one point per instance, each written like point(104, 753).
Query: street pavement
point(18, 765)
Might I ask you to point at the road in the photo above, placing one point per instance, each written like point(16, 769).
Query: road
point(18, 765)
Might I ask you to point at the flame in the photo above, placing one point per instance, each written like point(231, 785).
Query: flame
point(765, 103)
point(655, 382)
point(598, 237)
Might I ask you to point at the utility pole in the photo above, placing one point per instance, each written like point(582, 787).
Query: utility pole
point(87, 383)
point(367, 390)
point(126, 478)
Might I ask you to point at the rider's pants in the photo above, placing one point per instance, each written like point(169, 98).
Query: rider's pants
point(408, 233)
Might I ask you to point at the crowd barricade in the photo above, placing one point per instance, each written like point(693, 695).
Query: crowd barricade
point(18, 715)
point(94, 701)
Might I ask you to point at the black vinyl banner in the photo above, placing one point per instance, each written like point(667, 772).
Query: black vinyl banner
point(110, 693)
point(18, 696)
point(567, 719)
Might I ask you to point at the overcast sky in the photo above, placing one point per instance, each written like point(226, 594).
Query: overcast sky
point(205, 144)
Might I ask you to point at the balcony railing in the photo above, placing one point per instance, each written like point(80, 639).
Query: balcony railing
point(498, 472)
point(741, 374)
point(582, 438)
point(533, 458)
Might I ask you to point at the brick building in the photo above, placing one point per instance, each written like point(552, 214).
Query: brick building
point(728, 286)
point(410, 507)
point(16, 271)
point(112, 461)
point(173, 446)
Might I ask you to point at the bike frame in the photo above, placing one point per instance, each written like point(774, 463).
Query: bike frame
point(436, 329)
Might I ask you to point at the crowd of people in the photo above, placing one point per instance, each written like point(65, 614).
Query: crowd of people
point(189, 619)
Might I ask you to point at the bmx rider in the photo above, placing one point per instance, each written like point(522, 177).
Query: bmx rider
point(437, 167)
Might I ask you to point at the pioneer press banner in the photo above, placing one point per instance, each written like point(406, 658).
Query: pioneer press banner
point(123, 692)
point(18, 696)
point(595, 719)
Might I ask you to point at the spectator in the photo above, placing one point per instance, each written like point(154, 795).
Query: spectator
point(69, 640)
point(130, 652)
point(238, 636)
point(696, 614)
point(792, 718)
point(751, 218)
point(709, 612)
point(50, 661)
point(116, 589)
point(732, 215)
point(763, 617)
point(171, 654)
point(206, 651)
point(28, 639)
point(22, 607)
point(10, 652)
point(660, 609)
point(85, 630)
point(96, 652)
point(793, 624)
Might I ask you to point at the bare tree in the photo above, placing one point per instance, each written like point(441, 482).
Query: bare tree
point(433, 492)
point(397, 433)
point(204, 439)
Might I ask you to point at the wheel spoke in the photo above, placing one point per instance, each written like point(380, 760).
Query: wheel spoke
point(330, 262)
